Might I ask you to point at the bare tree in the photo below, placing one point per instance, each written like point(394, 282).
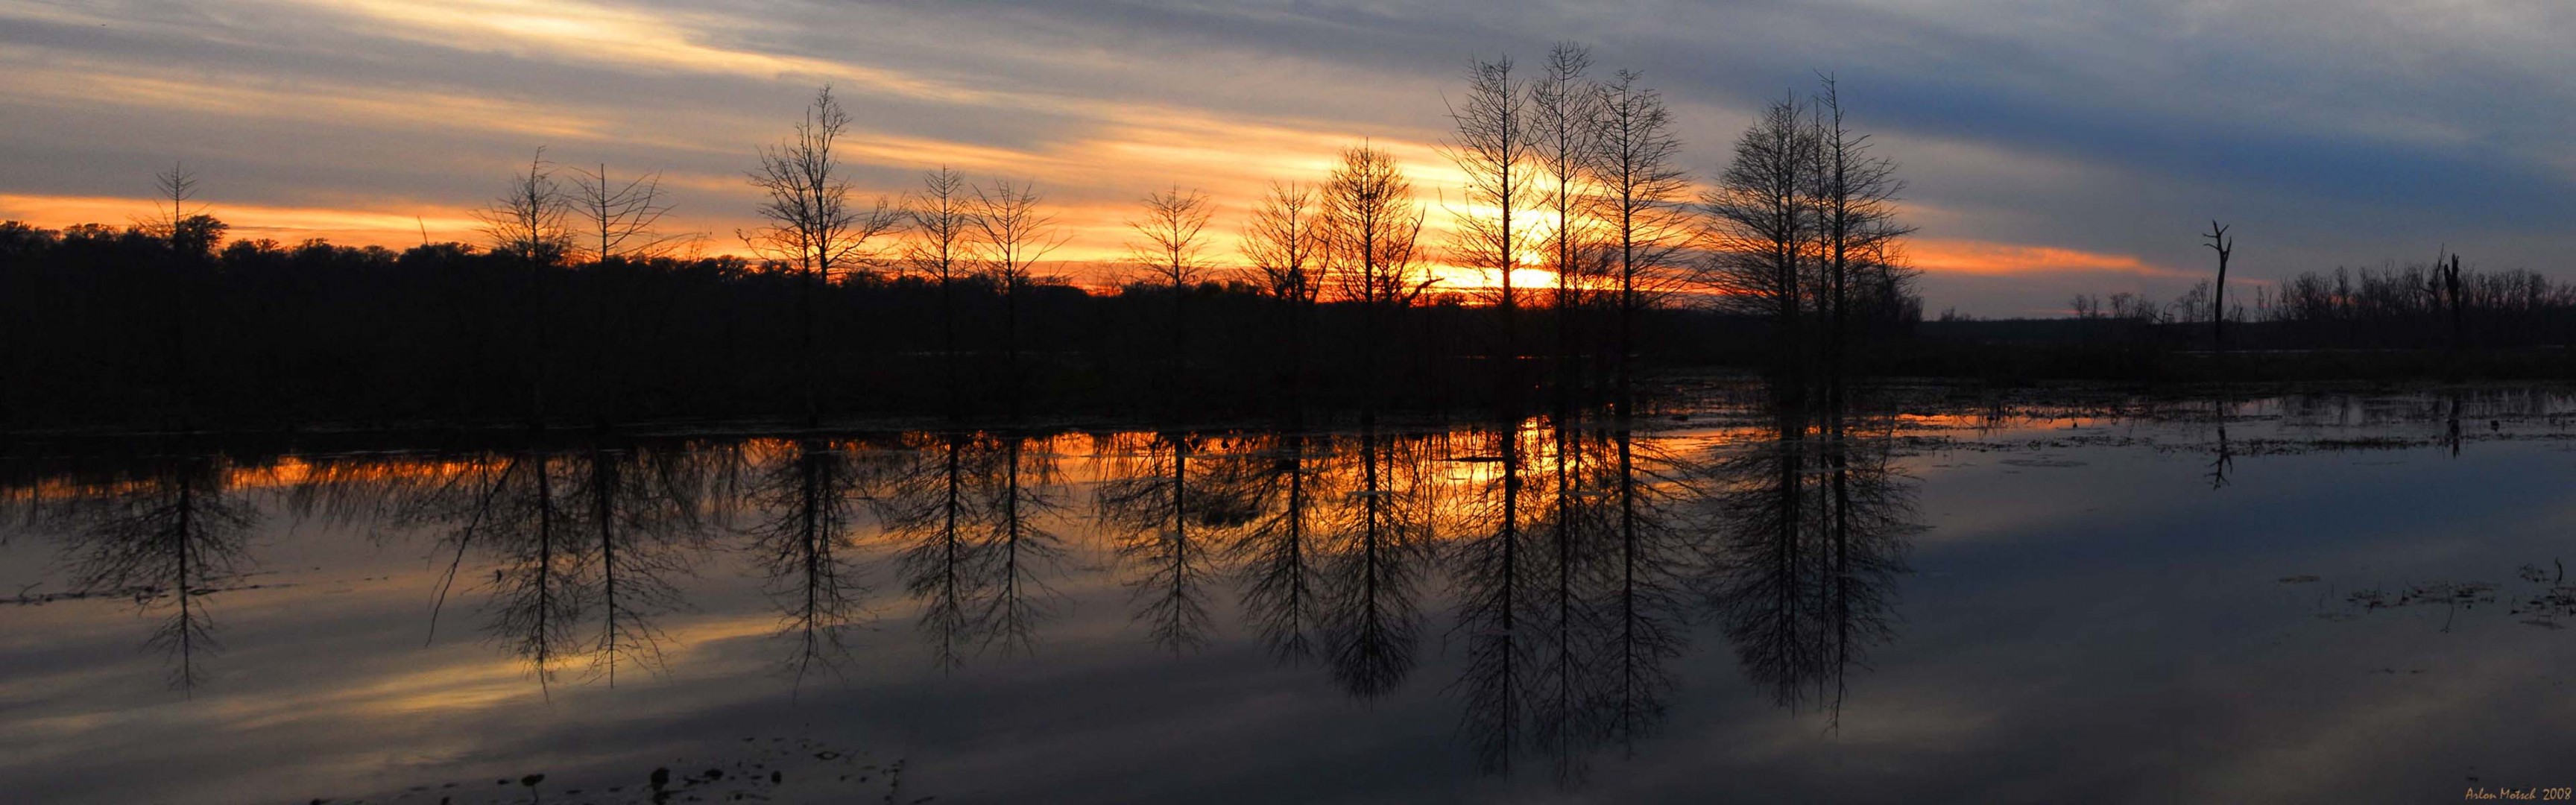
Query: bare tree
point(1013, 234)
point(1640, 204)
point(1855, 219)
point(941, 248)
point(619, 219)
point(1171, 245)
point(1761, 225)
point(185, 224)
point(1491, 145)
point(813, 227)
point(2225, 247)
point(1374, 227)
point(1289, 246)
point(527, 224)
point(529, 220)
point(1564, 114)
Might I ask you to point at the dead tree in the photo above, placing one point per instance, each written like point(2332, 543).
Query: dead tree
point(1288, 246)
point(527, 225)
point(1856, 227)
point(620, 220)
point(2225, 246)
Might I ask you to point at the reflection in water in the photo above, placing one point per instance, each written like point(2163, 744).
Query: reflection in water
point(167, 539)
point(1378, 535)
point(1811, 534)
point(1276, 554)
point(802, 540)
point(641, 518)
point(1566, 551)
point(1642, 583)
point(1491, 574)
point(1022, 550)
point(931, 510)
point(1161, 522)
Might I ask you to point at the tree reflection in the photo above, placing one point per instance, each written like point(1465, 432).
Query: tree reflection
point(168, 539)
point(932, 512)
point(508, 509)
point(805, 501)
point(1491, 575)
point(1377, 536)
point(1641, 597)
point(639, 512)
point(1167, 518)
point(1023, 489)
point(1278, 560)
point(1811, 535)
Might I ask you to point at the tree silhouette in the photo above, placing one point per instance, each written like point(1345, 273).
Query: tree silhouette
point(813, 226)
point(1760, 222)
point(1491, 144)
point(941, 248)
point(1641, 191)
point(1170, 244)
point(1289, 245)
point(1373, 227)
point(1565, 117)
point(1014, 232)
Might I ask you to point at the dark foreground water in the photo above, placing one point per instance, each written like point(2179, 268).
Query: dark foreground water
point(2325, 596)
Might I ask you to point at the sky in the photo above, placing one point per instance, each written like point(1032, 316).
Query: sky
point(2049, 148)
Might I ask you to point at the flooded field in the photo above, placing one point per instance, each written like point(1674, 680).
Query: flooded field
point(1913, 595)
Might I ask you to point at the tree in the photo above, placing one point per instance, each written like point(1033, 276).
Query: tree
point(1640, 205)
point(1289, 246)
point(1855, 218)
point(1564, 116)
point(941, 249)
point(527, 223)
point(191, 232)
point(2225, 247)
point(1761, 225)
point(1171, 246)
point(813, 228)
point(1013, 234)
point(1492, 147)
point(1374, 226)
point(618, 219)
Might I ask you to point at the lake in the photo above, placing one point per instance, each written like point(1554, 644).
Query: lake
point(1899, 594)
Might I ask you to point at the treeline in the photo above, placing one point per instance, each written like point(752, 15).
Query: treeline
point(577, 306)
point(110, 327)
point(2437, 305)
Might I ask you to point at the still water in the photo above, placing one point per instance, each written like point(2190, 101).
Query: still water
point(1923, 596)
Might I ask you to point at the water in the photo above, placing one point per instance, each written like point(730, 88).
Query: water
point(2041, 597)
